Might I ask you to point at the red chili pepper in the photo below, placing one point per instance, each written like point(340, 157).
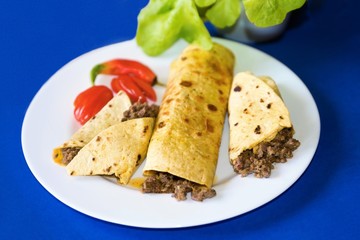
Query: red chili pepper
point(124, 66)
point(90, 102)
point(146, 88)
point(126, 83)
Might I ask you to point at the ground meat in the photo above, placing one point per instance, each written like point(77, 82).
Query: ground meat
point(68, 154)
point(141, 110)
point(260, 162)
point(167, 183)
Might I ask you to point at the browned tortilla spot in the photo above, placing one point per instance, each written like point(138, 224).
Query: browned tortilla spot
point(221, 92)
point(93, 159)
point(246, 111)
point(186, 83)
point(186, 120)
point(72, 173)
point(281, 117)
point(183, 58)
point(110, 105)
point(199, 134)
point(257, 129)
point(169, 100)
point(237, 89)
point(209, 126)
point(161, 124)
point(236, 124)
point(268, 106)
point(199, 98)
point(98, 138)
point(212, 107)
point(138, 159)
point(145, 129)
point(261, 100)
point(108, 169)
point(215, 67)
point(91, 172)
point(220, 82)
point(257, 86)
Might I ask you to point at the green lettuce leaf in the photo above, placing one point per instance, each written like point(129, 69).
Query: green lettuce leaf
point(224, 13)
point(266, 13)
point(204, 3)
point(161, 23)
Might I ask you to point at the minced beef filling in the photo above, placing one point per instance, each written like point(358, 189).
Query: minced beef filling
point(167, 183)
point(68, 154)
point(261, 161)
point(140, 110)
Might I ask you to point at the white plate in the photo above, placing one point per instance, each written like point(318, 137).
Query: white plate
point(49, 122)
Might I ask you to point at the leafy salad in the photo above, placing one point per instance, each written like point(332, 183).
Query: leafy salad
point(162, 22)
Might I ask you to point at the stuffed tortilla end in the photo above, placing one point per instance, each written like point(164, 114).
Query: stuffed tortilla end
point(110, 114)
point(261, 131)
point(116, 151)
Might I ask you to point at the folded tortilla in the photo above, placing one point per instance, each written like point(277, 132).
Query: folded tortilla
point(188, 130)
point(117, 150)
point(257, 116)
point(109, 115)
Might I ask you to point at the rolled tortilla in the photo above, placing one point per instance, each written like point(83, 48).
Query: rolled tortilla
point(117, 150)
point(261, 130)
point(109, 115)
point(188, 130)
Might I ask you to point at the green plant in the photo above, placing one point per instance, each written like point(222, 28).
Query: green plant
point(162, 22)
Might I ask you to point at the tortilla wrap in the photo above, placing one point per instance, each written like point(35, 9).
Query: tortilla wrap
point(117, 150)
point(188, 130)
point(109, 115)
point(254, 103)
point(257, 114)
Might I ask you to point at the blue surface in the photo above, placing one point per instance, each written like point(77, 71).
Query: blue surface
point(321, 46)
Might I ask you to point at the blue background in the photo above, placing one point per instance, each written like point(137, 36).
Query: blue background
point(321, 46)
